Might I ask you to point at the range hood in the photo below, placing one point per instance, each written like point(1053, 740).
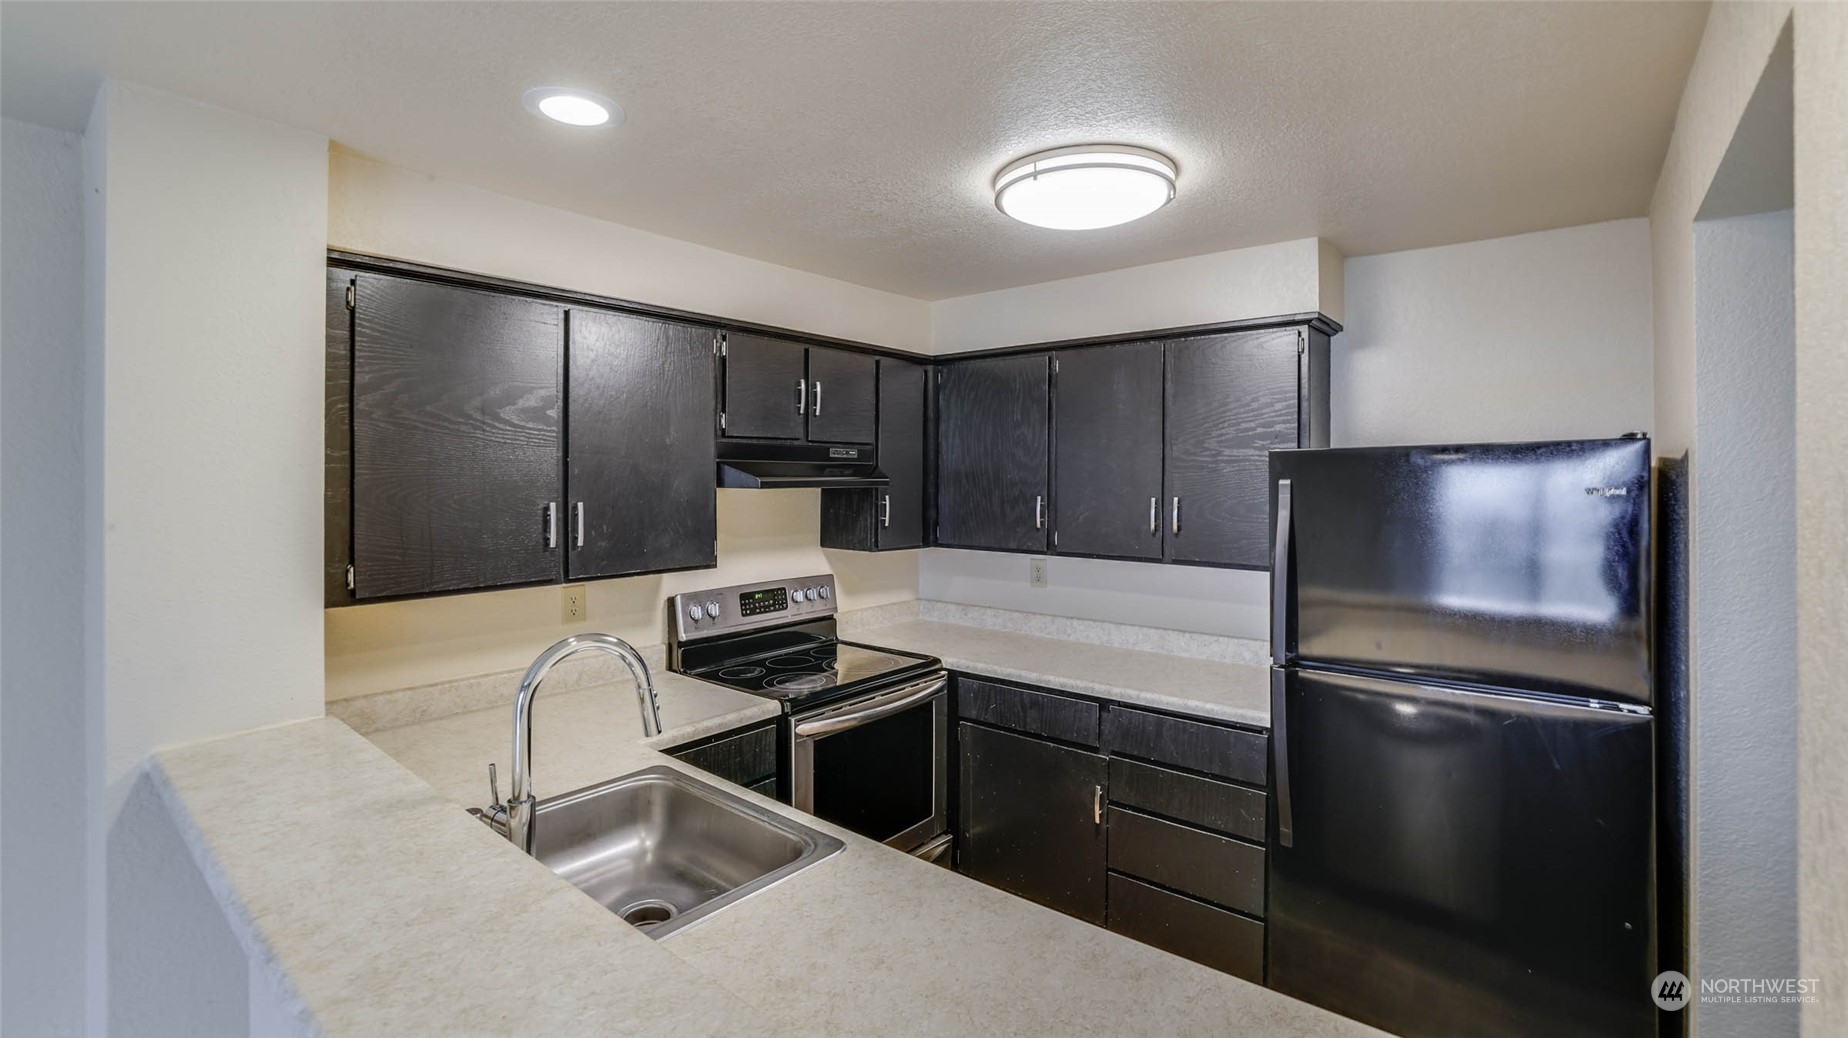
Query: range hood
point(772, 466)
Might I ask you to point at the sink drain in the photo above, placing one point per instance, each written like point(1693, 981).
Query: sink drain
point(644, 914)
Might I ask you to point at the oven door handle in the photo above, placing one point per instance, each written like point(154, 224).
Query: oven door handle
point(885, 706)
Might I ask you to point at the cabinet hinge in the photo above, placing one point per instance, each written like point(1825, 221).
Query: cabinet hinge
point(1055, 538)
point(349, 576)
point(1302, 341)
point(1055, 365)
point(718, 344)
point(721, 421)
point(349, 295)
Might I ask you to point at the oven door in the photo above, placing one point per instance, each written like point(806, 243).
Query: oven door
point(877, 764)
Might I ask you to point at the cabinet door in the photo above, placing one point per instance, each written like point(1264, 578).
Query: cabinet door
point(1107, 445)
point(456, 438)
point(901, 453)
point(641, 455)
point(842, 396)
point(1230, 400)
point(1031, 820)
point(766, 387)
point(991, 467)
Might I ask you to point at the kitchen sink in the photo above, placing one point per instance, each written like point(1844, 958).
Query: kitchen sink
point(664, 850)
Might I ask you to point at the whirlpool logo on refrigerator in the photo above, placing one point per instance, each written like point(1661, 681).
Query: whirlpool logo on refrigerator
point(1607, 491)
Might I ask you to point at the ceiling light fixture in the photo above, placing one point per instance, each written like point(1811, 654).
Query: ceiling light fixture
point(1085, 187)
point(573, 107)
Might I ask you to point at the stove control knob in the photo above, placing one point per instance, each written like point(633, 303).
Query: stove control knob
point(811, 595)
point(712, 610)
point(823, 592)
point(796, 594)
point(696, 613)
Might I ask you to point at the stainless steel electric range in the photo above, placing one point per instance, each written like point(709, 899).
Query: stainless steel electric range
point(865, 731)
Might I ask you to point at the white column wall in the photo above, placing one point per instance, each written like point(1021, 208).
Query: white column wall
point(205, 237)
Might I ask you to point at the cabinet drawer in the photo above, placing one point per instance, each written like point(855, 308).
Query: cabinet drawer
point(1217, 868)
point(1188, 928)
point(1039, 713)
point(1190, 798)
point(746, 758)
point(1235, 754)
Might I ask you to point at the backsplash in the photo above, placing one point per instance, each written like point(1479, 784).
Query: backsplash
point(763, 535)
point(1095, 632)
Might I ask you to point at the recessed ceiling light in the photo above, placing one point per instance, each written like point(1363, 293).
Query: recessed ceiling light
point(573, 107)
point(1085, 187)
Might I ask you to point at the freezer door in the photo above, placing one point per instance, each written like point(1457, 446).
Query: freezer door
point(1517, 565)
point(1463, 862)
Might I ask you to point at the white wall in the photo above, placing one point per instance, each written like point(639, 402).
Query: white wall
point(41, 596)
point(1744, 534)
point(387, 211)
point(763, 535)
point(1821, 197)
point(1531, 337)
point(1733, 51)
point(203, 438)
point(1286, 278)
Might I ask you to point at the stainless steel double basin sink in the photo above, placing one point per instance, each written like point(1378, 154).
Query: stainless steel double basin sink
point(664, 850)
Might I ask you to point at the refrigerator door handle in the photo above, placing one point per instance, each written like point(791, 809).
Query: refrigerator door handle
point(1280, 750)
point(1280, 576)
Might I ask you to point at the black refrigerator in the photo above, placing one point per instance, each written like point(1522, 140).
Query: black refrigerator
point(1462, 737)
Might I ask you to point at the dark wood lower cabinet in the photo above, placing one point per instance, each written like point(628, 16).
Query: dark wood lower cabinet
point(1188, 927)
point(1032, 819)
point(1148, 837)
point(747, 758)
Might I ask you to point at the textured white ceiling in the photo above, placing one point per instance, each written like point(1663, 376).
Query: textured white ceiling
point(859, 140)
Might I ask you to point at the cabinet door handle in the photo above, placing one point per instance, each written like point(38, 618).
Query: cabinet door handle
point(1154, 523)
point(551, 525)
point(801, 396)
point(1176, 519)
point(1039, 512)
point(579, 509)
point(885, 510)
point(1097, 805)
point(818, 398)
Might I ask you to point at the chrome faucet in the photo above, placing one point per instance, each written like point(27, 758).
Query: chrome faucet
point(514, 819)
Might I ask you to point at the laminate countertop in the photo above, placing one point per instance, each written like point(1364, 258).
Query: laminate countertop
point(383, 908)
point(1222, 689)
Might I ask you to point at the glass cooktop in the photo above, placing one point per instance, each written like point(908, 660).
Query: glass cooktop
point(807, 670)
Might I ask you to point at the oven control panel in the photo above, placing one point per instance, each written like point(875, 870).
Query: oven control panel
point(744, 607)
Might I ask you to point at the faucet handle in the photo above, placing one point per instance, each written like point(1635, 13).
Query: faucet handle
point(494, 787)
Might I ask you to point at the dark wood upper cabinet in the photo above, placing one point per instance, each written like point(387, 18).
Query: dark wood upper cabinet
point(992, 428)
point(1230, 399)
point(641, 448)
point(889, 517)
point(766, 388)
point(1032, 819)
point(842, 396)
point(776, 389)
point(1107, 450)
point(456, 438)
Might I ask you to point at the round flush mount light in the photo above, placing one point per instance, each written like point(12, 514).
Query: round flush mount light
point(573, 107)
point(1085, 187)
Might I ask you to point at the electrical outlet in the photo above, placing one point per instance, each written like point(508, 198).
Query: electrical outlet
point(571, 610)
point(1036, 572)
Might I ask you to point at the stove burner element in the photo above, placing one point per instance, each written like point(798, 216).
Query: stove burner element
point(802, 682)
point(792, 661)
point(741, 673)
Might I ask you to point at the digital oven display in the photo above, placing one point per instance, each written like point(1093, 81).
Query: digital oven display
point(757, 603)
